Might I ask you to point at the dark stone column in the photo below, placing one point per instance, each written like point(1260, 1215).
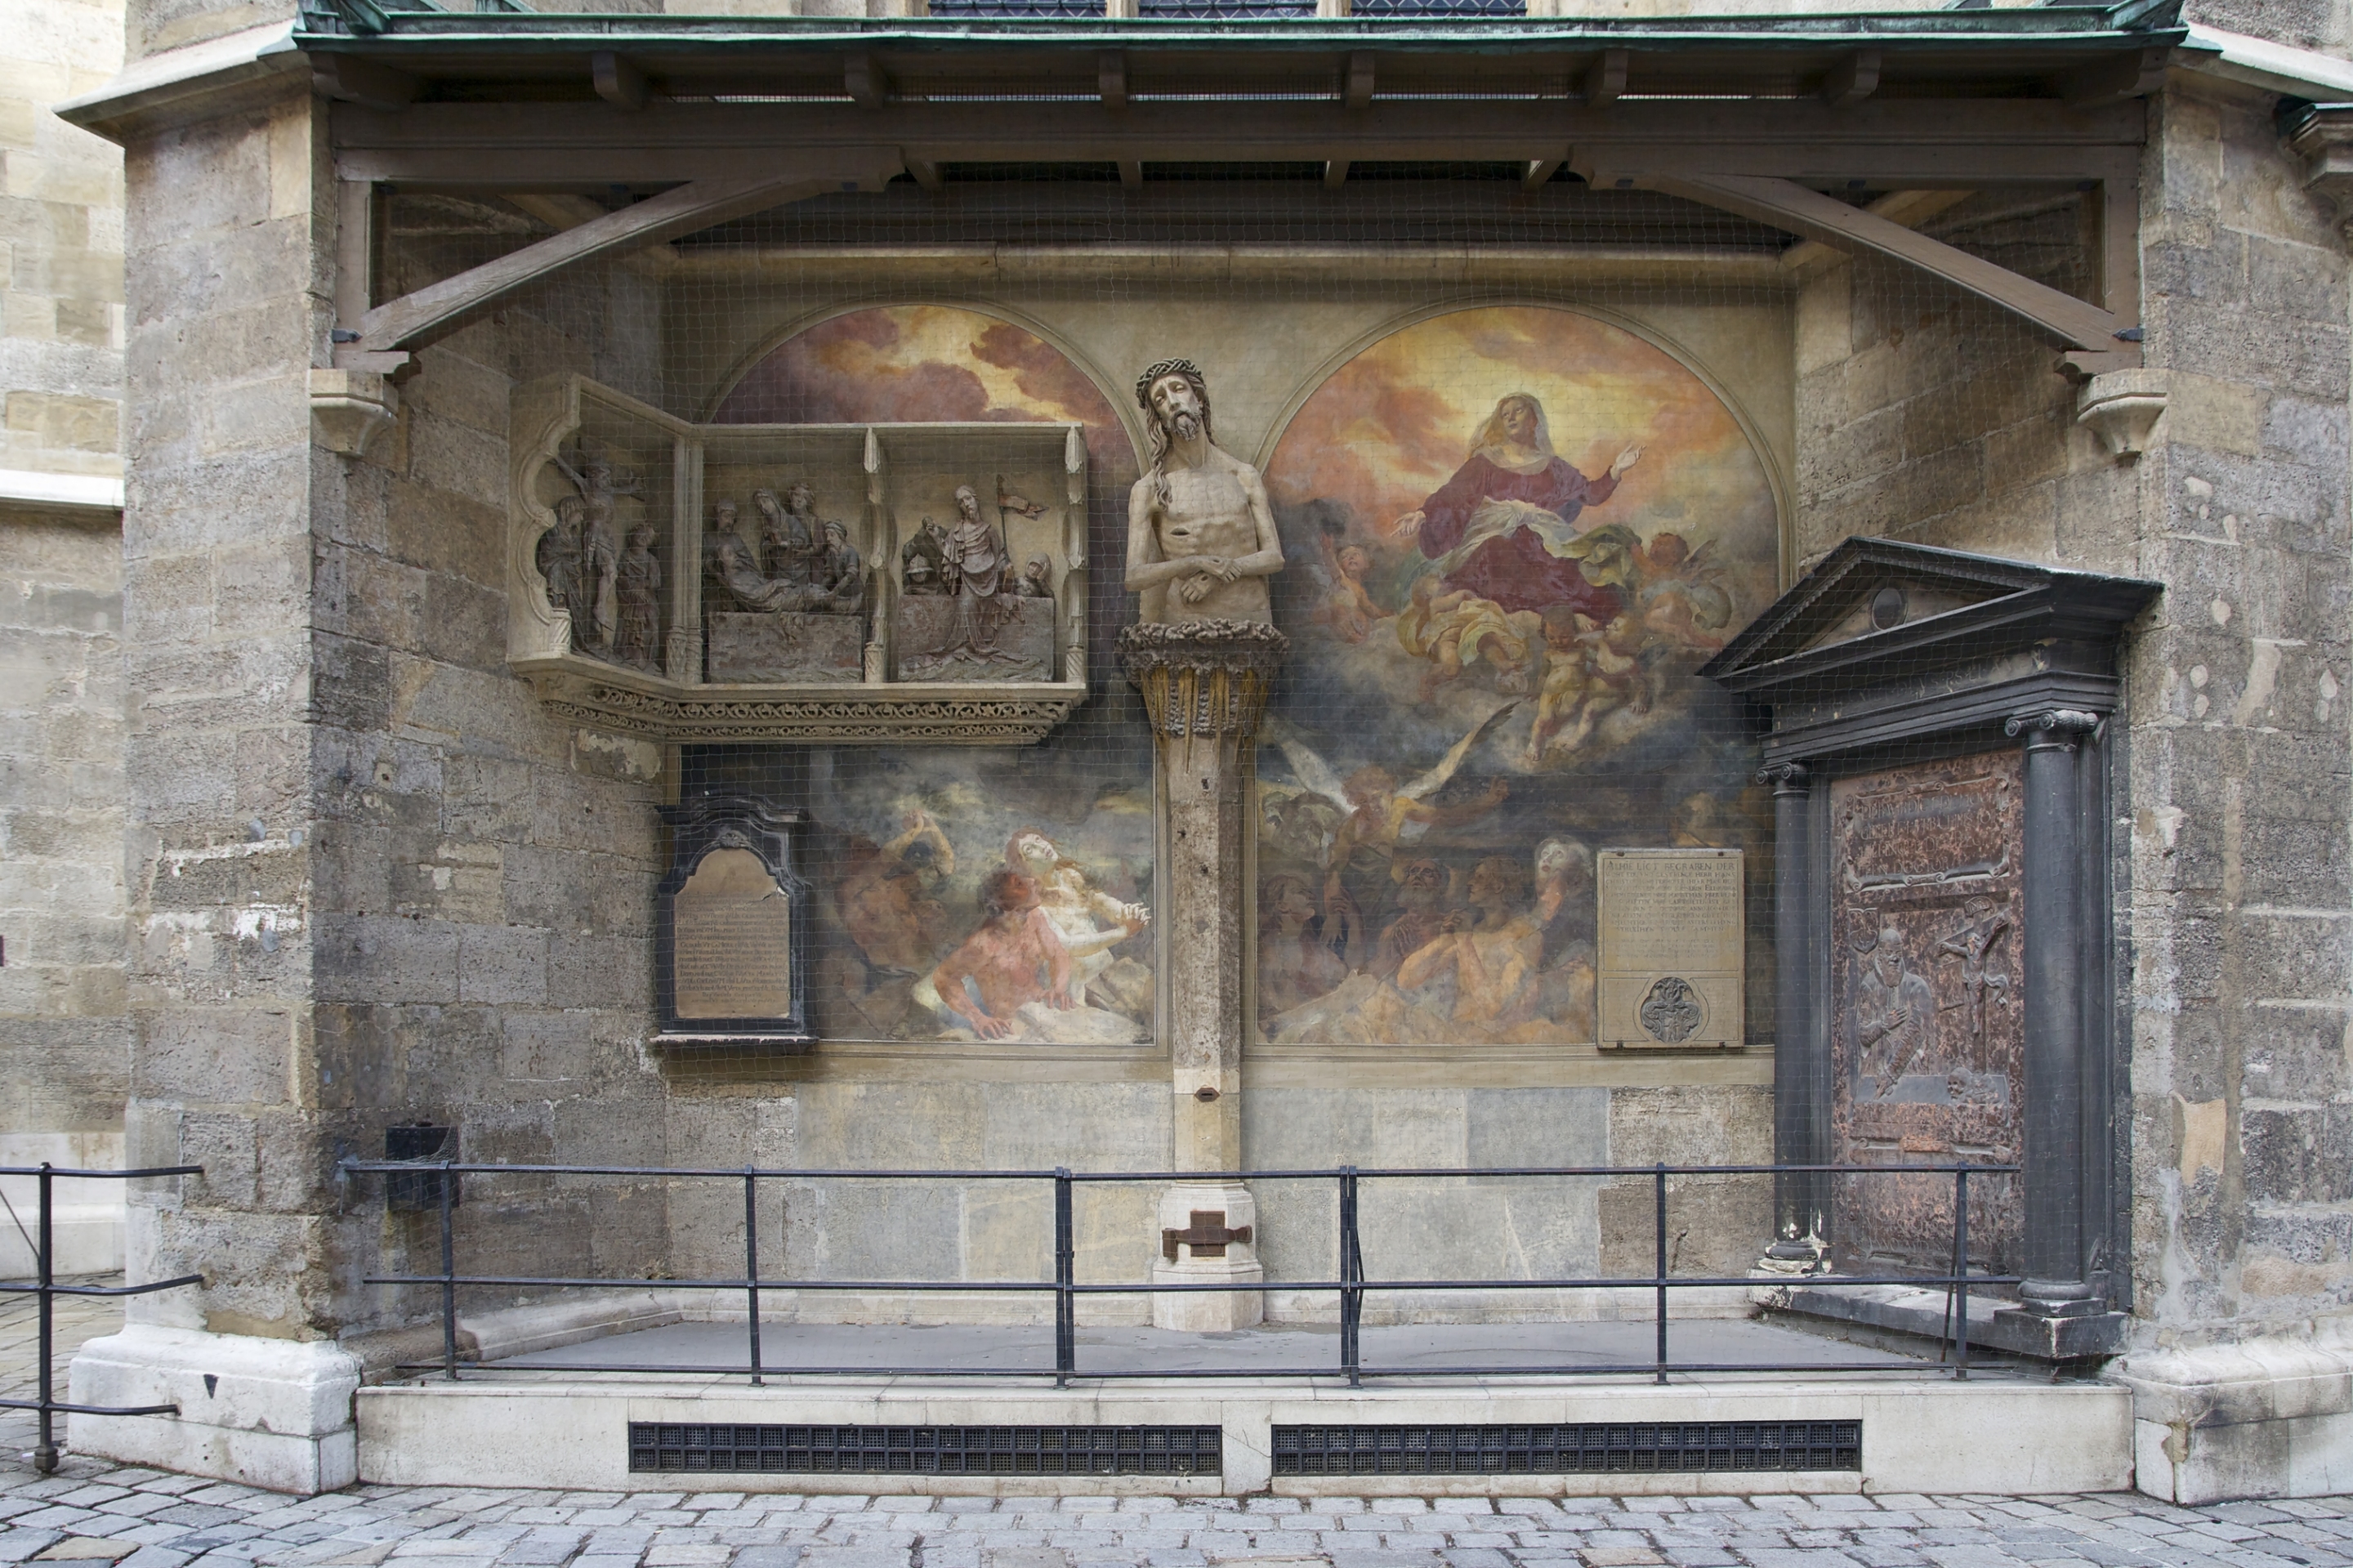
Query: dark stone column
point(1801, 1086)
point(2055, 1284)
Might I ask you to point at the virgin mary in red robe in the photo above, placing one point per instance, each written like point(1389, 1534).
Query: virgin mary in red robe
point(1493, 529)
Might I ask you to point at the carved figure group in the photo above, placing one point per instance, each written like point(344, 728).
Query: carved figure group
point(585, 564)
point(982, 633)
point(803, 564)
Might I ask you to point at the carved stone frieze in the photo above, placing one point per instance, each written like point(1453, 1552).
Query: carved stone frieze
point(877, 714)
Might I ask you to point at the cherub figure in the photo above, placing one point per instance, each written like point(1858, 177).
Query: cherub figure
point(1348, 608)
point(1456, 628)
point(1593, 670)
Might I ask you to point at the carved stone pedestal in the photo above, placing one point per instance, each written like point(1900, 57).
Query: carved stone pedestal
point(1205, 684)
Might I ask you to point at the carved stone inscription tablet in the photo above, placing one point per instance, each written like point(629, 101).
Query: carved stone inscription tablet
point(1671, 948)
point(734, 940)
point(1928, 1034)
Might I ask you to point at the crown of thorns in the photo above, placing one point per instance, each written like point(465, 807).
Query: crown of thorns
point(1183, 368)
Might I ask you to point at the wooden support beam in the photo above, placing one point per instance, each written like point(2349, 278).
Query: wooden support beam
point(1111, 77)
point(354, 252)
point(1910, 209)
point(1360, 80)
point(868, 84)
point(1336, 172)
point(1605, 78)
point(2116, 80)
point(585, 146)
point(1852, 79)
point(413, 321)
point(348, 80)
point(1131, 173)
point(1786, 205)
point(925, 174)
point(1539, 171)
point(619, 83)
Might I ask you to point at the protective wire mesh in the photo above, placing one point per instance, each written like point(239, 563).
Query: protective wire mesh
point(1535, 455)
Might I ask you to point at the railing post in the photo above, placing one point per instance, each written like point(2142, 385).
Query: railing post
point(1352, 1276)
point(449, 1278)
point(1660, 1179)
point(752, 1263)
point(1066, 1275)
point(1961, 1274)
point(45, 1453)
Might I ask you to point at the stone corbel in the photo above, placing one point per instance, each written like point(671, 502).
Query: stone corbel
point(2122, 407)
point(348, 406)
point(2321, 134)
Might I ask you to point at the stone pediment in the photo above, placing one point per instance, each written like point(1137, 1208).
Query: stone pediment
point(1885, 641)
point(1874, 600)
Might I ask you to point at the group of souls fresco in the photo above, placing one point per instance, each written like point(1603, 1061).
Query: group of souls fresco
point(1511, 534)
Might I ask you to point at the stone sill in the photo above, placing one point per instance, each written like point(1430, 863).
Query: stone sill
point(1921, 1314)
point(634, 702)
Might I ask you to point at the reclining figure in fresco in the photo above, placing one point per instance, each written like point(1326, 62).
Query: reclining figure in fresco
point(1198, 521)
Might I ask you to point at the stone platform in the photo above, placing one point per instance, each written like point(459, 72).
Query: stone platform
point(540, 1420)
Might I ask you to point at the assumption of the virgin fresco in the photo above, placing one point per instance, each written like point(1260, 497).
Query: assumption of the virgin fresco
point(1516, 532)
point(965, 895)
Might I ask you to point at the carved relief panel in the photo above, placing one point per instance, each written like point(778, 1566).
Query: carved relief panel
point(864, 582)
point(1927, 1037)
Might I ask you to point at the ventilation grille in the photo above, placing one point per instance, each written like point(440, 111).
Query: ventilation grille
point(926, 1450)
point(1576, 1447)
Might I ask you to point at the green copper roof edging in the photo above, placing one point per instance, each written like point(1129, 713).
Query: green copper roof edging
point(2035, 29)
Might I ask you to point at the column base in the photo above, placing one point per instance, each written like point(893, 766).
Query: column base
point(2059, 1298)
point(1185, 1210)
point(2259, 1418)
point(274, 1413)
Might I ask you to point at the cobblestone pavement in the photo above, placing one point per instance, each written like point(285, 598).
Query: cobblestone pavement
point(94, 1514)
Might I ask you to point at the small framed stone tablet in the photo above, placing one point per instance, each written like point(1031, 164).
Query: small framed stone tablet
point(730, 924)
point(1671, 945)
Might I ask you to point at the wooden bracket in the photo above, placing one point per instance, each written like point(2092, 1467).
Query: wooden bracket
point(1111, 77)
point(2114, 80)
point(1539, 171)
point(1605, 78)
point(1360, 80)
point(868, 84)
point(619, 83)
point(364, 82)
point(1852, 79)
point(415, 319)
point(1336, 172)
point(1131, 173)
point(1787, 205)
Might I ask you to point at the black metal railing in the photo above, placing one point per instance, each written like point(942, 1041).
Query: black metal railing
point(1351, 1287)
point(44, 1288)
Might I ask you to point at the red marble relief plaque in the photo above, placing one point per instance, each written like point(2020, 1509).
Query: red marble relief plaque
point(1927, 1040)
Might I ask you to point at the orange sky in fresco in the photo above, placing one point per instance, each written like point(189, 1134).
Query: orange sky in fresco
point(1395, 422)
point(919, 363)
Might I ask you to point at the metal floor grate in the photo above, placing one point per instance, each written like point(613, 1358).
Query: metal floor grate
point(926, 1450)
point(1570, 1447)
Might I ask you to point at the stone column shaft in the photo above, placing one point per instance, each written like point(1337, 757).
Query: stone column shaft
point(1801, 1077)
point(2053, 968)
point(1205, 684)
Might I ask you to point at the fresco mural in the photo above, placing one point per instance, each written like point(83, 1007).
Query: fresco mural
point(1514, 533)
point(966, 894)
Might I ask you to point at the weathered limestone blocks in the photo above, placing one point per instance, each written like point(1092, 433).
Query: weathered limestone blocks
point(2263, 1418)
point(275, 1413)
